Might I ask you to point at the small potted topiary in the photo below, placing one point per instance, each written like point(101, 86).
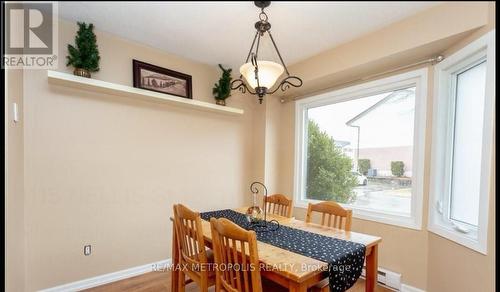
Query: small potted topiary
point(222, 89)
point(85, 57)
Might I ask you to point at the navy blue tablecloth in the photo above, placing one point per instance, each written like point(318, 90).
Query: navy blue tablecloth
point(345, 258)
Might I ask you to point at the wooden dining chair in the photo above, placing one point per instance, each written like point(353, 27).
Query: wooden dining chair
point(330, 210)
point(192, 252)
point(235, 251)
point(278, 204)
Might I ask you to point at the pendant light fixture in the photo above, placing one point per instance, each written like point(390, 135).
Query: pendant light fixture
point(259, 76)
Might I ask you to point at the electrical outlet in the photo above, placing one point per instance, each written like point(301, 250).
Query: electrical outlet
point(87, 250)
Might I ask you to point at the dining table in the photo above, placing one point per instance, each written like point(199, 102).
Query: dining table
point(292, 270)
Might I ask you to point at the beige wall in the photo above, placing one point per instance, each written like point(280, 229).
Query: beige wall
point(14, 194)
point(105, 170)
point(422, 257)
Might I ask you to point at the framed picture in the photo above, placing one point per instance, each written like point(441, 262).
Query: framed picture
point(154, 78)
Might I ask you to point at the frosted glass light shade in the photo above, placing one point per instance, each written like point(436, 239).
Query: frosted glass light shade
point(269, 72)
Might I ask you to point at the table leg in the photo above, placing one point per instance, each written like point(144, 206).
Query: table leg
point(371, 269)
point(297, 287)
point(175, 261)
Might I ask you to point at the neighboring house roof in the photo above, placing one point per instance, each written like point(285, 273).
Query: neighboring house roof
point(394, 95)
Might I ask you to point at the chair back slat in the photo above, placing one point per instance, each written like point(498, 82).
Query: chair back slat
point(278, 204)
point(189, 236)
point(235, 251)
point(342, 218)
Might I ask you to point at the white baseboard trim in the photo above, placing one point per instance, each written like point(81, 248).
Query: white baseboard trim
point(408, 288)
point(135, 271)
point(108, 278)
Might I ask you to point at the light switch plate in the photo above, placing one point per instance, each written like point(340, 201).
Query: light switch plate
point(15, 113)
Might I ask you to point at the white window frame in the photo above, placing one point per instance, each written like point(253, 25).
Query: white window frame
point(417, 79)
point(444, 102)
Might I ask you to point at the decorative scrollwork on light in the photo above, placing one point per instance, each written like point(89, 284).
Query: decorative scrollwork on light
point(237, 83)
point(241, 86)
point(287, 82)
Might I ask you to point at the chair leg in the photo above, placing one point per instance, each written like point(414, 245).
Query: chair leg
point(182, 281)
point(322, 286)
point(204, 284)
point(217, 284)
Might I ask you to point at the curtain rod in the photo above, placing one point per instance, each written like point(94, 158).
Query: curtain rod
point(433, 60)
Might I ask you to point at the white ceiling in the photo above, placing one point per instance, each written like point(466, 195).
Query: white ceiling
point(221, 32)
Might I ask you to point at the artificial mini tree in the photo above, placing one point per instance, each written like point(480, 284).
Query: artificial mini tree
point(222, 89)
point(85, 57)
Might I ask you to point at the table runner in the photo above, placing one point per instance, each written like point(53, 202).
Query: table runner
point(345, 258)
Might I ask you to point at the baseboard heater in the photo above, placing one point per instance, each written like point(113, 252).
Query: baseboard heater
point(387, 278)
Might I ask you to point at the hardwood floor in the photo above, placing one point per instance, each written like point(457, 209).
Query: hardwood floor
point(160, 281)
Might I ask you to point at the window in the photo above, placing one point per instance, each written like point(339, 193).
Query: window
point(363, 148)
point(462, 142)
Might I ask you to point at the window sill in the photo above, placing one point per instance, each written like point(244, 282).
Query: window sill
point(372, 215)
point(457, 237)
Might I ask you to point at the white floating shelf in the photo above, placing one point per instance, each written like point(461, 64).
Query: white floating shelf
point(94, 85)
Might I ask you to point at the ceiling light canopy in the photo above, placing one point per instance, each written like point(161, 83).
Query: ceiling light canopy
point(262, 75)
